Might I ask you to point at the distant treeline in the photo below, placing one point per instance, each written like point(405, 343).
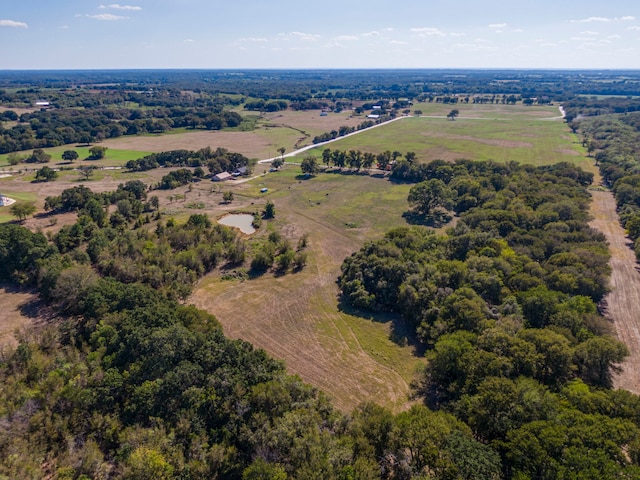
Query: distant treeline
point(51, 128)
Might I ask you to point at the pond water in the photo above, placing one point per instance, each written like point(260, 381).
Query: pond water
point(239, 220)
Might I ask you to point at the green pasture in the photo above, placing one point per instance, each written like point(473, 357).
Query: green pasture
point(112, 157)
point(522, 139)
point(5, 214)
point(357, 204)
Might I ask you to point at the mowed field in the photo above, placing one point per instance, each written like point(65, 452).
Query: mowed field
point(501, 133)
point(298, 318)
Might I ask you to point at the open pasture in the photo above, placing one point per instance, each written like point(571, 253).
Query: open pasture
point(113, 157)
point(522, 139)
point(297, 317)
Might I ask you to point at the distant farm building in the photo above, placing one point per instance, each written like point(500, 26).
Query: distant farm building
point(373, 115)
point(221, 177)
point(42, 104)
point(240, 171)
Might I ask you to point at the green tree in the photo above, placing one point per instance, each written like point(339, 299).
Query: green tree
point(97, 152)
point(148, 464)
point(269, 210)
point(227, 197)
point(262, 470)
point(277, 162)
point(46, 174)
point(453, 114)
point(598, 358)
point(22, 210)
point(38, 156)
point(87, 171)
point(69, 155)
point(309, 166)
point(431, 195)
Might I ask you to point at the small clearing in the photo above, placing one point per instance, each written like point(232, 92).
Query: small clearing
point(621, 304)
point(16, 307)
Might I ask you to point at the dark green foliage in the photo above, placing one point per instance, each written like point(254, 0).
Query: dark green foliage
point(269, 210)
point(46, 174)
point(176, 178)
point(20, 250)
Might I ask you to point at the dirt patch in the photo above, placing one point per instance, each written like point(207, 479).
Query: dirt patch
point(19, 311)
point(502, 143)
point(623, 300)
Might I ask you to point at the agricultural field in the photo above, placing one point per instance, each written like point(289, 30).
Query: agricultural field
point(299, 317)
point(495, 132)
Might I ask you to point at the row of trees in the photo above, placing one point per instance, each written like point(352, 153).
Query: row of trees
point(217, 161)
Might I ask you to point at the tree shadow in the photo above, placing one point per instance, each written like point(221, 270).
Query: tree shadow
point(304, 176)
point(402, 332)
point(435, 220)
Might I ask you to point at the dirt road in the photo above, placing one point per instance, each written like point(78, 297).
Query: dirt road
point(623, 302)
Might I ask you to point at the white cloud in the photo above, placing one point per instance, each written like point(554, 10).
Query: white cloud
point(332, 45)
point(13, 23)
point(253, 39)
point(115, 6)
point(635, 27)
point(189, 40)
point(428, 32)
point(346, 38)
point(371, 34)
point(458, 34)
point(589, 32)
point(107, 16)
point(628, 18)
point(398, 42)
point(592, 19)
point(615, 37)
point(517, 30)
point(306, 37)
point(497, 25)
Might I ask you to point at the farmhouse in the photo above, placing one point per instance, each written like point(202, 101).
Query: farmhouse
point(221, 177)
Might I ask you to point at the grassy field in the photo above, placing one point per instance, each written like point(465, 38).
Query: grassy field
point(113, 157)
point(297, 317)
point(350, 355)
point(522, 139)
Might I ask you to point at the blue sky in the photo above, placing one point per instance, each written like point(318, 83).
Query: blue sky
point(86, 34)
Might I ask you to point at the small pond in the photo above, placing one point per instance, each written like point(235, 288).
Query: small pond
point(239, 220)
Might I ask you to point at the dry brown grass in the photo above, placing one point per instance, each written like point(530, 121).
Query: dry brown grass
point(297, 318)
point(16, 312)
